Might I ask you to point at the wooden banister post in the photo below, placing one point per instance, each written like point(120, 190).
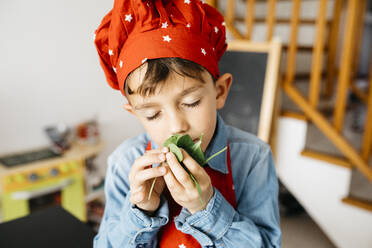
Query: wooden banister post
point(230, 19)
point(332, 47)
point(249, 18)
point(358, 37)
point(270, 20)
point(318, 51)
point(346, 63)
point(213, 3)
point(230, 12)
point(367, 136)
point(292, 47)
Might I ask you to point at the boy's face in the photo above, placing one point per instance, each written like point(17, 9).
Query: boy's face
point(182, 105)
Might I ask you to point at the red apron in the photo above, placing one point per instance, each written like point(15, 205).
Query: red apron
point(169, 234)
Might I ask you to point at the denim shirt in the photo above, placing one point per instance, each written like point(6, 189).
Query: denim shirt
point(254, 223)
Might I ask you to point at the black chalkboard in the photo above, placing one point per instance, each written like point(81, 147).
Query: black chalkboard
point(243, 104)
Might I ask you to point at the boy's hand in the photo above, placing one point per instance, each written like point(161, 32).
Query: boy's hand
point(180, 185)
point(141, 176)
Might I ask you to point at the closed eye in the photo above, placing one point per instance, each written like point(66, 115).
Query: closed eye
point(153, 117)
point(191, 105)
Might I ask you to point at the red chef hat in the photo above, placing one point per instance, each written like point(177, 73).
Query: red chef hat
point(137, 30)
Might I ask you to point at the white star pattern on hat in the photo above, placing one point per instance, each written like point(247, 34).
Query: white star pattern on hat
point(121, 64)
point(167, 38)
point(188, 25)
point(128, 18)
point(114, 69)
point(181, 246)
point(187, 1)
point(216, 30)
point(111, 52)
point(203, 51)
point(223, 24)
point(164, 25)
point(144, 60)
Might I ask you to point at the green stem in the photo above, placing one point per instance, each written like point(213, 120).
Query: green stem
point(152, 187)
point(214, 155)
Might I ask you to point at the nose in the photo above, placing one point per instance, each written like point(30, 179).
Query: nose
point(178, 123)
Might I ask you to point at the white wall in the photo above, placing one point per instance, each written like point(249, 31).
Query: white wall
point(49, 73)
point(319, 187)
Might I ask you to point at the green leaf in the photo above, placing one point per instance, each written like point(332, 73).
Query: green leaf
point(185, 141)
point(176, 151)
point(152, 187)
point(172, 139)
point(175, 142)
point(197, 187)
point(214, 155)
point(197, 152)
point(192, 149)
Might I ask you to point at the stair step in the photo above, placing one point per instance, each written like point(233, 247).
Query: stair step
point(293, 114)
point(360, 187)
point(336, 160)
point(282, 20)
point(358, 203)
point(316, 140)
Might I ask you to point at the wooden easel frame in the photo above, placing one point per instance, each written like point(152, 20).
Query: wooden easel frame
point(269, 104)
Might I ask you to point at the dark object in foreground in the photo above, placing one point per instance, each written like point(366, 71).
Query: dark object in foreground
point(51, 227)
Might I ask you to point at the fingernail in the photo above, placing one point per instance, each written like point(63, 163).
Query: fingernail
point(165, 149)
point(162, 170)
point(161, 157)
point(169, 156)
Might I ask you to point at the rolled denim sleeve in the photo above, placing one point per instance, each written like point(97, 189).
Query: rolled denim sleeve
point(255, 222)
point(123, 224)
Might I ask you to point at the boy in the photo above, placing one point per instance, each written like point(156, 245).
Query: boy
point(163, 56)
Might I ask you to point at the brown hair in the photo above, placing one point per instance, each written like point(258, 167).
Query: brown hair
point(158, 70)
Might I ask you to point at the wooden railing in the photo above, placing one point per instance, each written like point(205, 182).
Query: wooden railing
point(341, 79)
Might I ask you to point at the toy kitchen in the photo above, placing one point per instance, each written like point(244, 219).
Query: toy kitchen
point(35, 179)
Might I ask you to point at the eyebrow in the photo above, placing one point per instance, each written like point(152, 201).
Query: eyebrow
point(183, 93)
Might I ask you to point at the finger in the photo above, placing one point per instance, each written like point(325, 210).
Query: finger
point(137, 189)
point(145, 161)
point(158, 150)
point(137, 197)
point(179, 172)
point(196, 170)
point(173, 185)
point(144, 175)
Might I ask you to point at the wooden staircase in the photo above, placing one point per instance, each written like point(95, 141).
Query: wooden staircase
point(320, 96)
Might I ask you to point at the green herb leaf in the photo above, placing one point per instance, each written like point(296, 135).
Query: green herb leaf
point(172, 139)
point(152, 187)
point(214, 155)
point(197, 152)
point(197, 187)
point(175, 142)
point(185, 141)
point(176, 151)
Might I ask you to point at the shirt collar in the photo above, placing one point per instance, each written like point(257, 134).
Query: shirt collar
point(217, 143)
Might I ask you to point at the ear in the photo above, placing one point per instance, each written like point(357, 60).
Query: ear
point(128, 108)
point(223, 84)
